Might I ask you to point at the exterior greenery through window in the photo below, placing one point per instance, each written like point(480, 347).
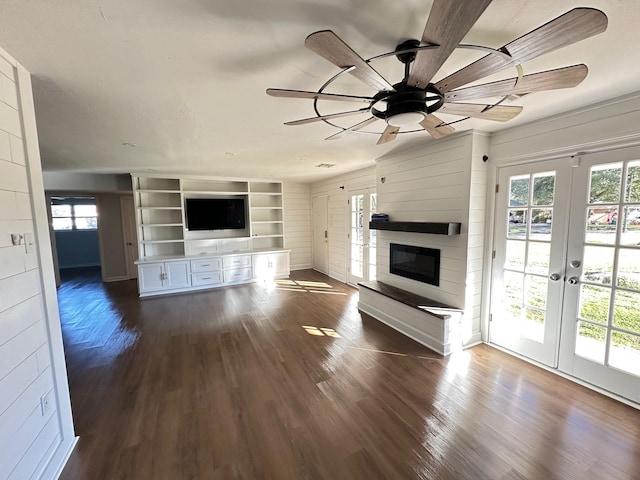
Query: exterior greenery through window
point(78, 213)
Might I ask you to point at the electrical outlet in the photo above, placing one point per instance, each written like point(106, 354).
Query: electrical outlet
point(45, 403)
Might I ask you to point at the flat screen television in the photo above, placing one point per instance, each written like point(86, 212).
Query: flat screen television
point(215, 213)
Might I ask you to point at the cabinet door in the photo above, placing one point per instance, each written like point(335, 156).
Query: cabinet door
point(150, 277)
point(270, 265)
point(178, 274)
point(280, 264)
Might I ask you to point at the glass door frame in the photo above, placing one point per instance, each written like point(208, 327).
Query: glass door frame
point(602, 375)
point(368, 245)
point(510, 336)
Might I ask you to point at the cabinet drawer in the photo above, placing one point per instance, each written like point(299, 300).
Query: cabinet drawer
point(206, 265)
point(237, 261)
point(238, 275)
point(208, 278)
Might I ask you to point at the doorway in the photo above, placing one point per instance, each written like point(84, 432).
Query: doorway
point(320, 206)
point(566, 271)
point(362, 240)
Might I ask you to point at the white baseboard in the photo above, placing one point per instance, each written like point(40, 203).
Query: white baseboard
point(115, 279)
point(59, 459)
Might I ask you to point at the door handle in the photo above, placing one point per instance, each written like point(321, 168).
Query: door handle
point(575, 263)
point(554, 276)
point(573, 280)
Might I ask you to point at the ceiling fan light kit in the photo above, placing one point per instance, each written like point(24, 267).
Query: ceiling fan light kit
point(411, 103)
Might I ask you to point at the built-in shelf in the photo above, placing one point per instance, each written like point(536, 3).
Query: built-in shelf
point(436, 228)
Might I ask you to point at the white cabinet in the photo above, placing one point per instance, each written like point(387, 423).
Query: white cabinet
point(270, 265)
point(158, 276)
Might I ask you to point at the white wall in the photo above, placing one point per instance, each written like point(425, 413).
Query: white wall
point(296, 198)
point(32, 443)
point(87, 182)
point(338, 220)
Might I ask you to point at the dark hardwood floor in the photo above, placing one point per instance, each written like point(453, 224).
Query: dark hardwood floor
point(290, 381)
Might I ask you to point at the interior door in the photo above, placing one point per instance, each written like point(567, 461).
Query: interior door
point(321, 234)
point(128, 213)
point(362, 241)
point(601, 317)
point(529, 257)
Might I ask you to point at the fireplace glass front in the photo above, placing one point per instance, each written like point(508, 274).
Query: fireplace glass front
point(418, 263)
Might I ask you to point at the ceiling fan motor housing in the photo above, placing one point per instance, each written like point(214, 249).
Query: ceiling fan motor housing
point(410, 105)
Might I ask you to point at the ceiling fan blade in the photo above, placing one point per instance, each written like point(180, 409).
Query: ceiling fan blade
point(304, 121)
point(331, 47)
point(499, 113)
point(566, 77)
point(353, 128)
point(277, 92)
point(575, 25)
point(448, 23)
point(390, 133)
point(435, 127)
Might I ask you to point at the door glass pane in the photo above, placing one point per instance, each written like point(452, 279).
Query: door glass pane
point(590, 342)
point(598, 264)
point(626, 313)
point(601, 225)
point(513, 286)
point(515, 253)
point(541, 224)
point(538, 258)
point(517, 227)
point(536, 291)
point(533, 325)
point(633, 182)
point(631, 227)
point(605, 183)
point(594, 303)
point(519, 191)
point(543, 188)
point(625, 352)
point(628, 269)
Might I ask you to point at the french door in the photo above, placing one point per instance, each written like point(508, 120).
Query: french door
point(529, 246)
point(362, 241)
point(580, 228)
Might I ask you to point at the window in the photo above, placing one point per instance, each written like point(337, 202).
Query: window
point(74, 214)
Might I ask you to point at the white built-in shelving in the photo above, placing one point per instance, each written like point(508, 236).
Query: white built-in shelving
point(161, 222)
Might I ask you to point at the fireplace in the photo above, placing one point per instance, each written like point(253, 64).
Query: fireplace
point(418, 263)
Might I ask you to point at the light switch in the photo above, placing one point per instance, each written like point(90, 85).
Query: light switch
point(16, 239)
point(29, 243)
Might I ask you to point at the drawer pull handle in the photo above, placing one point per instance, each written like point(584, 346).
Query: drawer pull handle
point(206, 278)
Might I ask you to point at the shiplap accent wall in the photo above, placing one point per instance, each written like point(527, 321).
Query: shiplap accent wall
point(33, 443)
point(296, 200)
point(337, 215)
point(443, 181)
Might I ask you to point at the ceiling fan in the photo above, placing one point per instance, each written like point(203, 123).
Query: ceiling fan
point(414, 100)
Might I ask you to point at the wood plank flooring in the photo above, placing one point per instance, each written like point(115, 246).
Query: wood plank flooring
point(244, 383)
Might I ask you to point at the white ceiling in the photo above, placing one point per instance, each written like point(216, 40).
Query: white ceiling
point(185, 80)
